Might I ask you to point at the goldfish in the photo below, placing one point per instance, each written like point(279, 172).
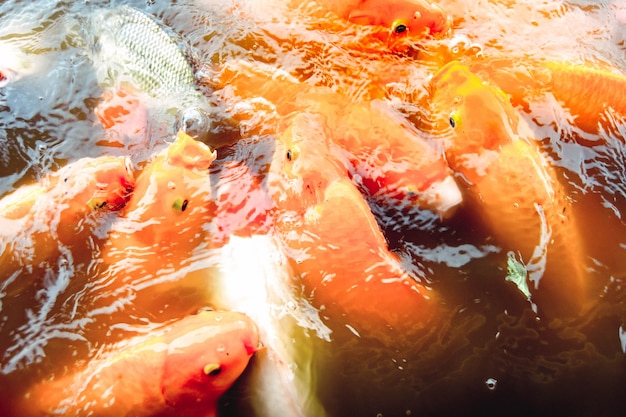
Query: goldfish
point(61, 208)
point(402, 17)
point(513, 189)
point(169, 205)
point(389, 160)
point(182, 368)
point(340, 253)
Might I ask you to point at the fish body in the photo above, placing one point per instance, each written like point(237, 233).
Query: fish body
point(339, 251)
point(389, 161)
point(586, 92)
point(180, 369)
point(170, 204)
point(131, 47)
point(60, 209)
point(514, 190)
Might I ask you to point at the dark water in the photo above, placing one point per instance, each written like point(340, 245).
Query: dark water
point(487, 353)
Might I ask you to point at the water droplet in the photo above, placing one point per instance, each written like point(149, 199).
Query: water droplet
point(221, 348)
point(491, 383)
point(171, 185)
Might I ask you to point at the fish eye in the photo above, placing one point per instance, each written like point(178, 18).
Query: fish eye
point(212, 369)
point(180, 204)
point(292, 153)
point(455, 119)
point(96, 203)
point(398, 27)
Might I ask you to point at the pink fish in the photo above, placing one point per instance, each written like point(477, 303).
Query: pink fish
point(179, 369)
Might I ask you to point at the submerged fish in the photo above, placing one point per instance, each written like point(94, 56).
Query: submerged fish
point(387, 159)
point(180, 369)
point(586, 92)
point(125, 119)
point(169, 206)
point(513, 188)
point(36, 219)
point(339, 253)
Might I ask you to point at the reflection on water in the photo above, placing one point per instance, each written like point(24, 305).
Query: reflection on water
point(485, 353)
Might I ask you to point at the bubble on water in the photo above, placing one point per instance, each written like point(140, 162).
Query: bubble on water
point(491, 384)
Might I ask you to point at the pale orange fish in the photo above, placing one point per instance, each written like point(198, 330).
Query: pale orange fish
point(36, 219)
point(338, 250)
point(180, 369)
point(170, 204)
point(389, 161)
point(513, 189)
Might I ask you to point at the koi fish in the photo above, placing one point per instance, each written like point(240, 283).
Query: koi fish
point(586, 92)
point(179, 369)
point(388, 160)
point(516, 192)
point(338, 249)
point(170, 203)
point(401, 17)
point(56, 211)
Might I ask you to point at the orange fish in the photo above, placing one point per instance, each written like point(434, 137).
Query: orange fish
point(58, 210)
point(180, 369)
point(385, 157)
point(170, 204)
point(401, 17)
point(513, 189)
point(586, 92)
point(337, 247)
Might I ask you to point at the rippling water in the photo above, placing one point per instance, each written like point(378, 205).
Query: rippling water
point(486, 353)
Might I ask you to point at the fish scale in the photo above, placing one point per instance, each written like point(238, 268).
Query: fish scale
point(131, 38)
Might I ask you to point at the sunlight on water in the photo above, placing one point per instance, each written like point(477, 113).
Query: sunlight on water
point(332, 213)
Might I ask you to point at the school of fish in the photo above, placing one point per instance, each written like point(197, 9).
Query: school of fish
point(303, 247)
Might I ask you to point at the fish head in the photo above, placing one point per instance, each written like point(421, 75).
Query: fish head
point(304, 162)
point(480, 116)
point(172, 192)
point(95, 184)
point(205, 357)
point(413, 18)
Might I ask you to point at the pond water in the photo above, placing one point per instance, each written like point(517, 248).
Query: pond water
point(485, 349)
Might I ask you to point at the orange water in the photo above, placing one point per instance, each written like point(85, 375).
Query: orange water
point(487, 353)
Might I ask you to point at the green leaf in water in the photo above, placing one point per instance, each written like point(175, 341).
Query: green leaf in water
point(516, 273)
